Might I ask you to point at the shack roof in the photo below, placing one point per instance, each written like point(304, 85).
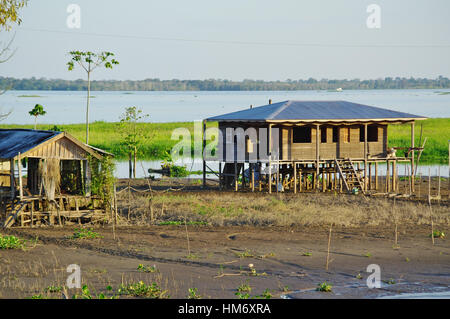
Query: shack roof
point(25, 141)
point(316, 111)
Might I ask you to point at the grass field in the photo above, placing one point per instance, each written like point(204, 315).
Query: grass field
point(107, 136)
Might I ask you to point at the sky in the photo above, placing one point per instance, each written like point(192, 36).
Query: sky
point(235, 39)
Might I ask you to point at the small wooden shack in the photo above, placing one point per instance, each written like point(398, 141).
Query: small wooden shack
point(310, 145)
point(45, 179)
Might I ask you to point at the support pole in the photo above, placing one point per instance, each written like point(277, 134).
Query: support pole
point(388, 178)
point(12, 182)
point(220, 175)
point(412, 157)
point(376, 175)
point(252, 169)
point(270, 158)
point(235, 177)
point(294, 166)
point(203, 150)
point(366, 149)
point(317, 156)
point(19, 167)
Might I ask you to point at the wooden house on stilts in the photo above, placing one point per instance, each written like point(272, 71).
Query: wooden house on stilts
point(310, 145)
point(45, 179)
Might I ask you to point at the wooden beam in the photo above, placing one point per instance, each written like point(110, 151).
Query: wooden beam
point(12, 182)
point(294, 166)
point(412, 156)
point(19, 167)
point(317, 155)
point(366, 149)
point(203, 150)
point(270, 158)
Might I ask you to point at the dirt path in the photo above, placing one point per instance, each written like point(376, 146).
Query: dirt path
point(287, 261)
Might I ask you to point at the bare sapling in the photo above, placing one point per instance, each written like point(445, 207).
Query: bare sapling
point(329, 244)
point(429, 204)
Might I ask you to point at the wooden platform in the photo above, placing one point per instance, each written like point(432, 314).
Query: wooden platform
point(35, 211)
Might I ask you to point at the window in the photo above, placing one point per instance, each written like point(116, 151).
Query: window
point(372, 133)
point(323, 134)
point(335, 134)
point(302, 134)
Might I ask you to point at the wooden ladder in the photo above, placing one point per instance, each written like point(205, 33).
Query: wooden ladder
point(349, 175)
point(14, 215)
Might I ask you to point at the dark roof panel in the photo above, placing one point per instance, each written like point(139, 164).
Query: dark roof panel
point(15, 141)
point(313, 110)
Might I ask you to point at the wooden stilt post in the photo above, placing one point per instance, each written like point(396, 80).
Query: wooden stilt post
point(300, 184)
point(252, 169)
point(270, 158)
point(394, 174)
point(370, 176)
point(31, 213)
point(388, 177)
point(19, 167)
point(324, 182)
point(12, 182)
point(412, 157)
point(294, 167)
point(259, 181)
point(235, 177)
point(220, 175)
point(366, 149)
point(317, 157)
point(376, 175)
point(203, 155)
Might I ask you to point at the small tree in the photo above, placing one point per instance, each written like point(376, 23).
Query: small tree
point(38, 110)
point(133, 134)
point(9, 16)
point(89, 61)
point(9, 12)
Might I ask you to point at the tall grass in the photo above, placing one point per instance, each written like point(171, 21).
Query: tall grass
point(437, 130)
point(105, 135)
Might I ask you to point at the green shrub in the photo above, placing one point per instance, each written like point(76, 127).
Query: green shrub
point(11, 242)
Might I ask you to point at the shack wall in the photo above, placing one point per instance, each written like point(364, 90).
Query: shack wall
point(348, 145)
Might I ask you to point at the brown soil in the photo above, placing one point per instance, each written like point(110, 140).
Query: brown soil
point(288, 260)
point(220, 256)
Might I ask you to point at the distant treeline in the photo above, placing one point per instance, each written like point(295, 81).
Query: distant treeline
point(224, 85)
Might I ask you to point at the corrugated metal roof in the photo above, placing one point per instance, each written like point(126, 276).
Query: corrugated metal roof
point(313, 110)
point(15, 141)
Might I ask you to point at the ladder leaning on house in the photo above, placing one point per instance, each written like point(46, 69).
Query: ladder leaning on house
point(349, 175)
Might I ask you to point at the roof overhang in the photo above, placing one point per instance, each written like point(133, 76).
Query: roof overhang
point(88, 149)
point(329, 121)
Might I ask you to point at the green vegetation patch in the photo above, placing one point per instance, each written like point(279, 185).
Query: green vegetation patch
point(141, 289)
point(85, 233)
point(11, 242)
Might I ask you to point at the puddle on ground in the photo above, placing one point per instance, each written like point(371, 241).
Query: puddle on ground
point(401, 290)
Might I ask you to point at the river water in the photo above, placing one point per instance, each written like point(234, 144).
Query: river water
point(68, 107)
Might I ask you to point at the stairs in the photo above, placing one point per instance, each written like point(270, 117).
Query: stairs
point(14, 215)
point(349, 176)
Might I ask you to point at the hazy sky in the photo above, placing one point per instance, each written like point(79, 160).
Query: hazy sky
point(236, 39)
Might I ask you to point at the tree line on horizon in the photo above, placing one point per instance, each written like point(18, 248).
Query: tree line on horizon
point(223, 85)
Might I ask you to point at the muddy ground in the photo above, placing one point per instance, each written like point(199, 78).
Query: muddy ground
point(290, 262)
